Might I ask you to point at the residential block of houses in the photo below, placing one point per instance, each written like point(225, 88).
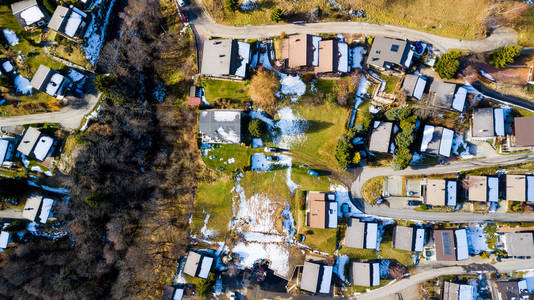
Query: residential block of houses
point(361, 235)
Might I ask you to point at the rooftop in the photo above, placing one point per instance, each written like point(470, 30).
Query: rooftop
point(225, 58)
point(381, 137)
point(516, 188)
point(68, 21)
point(387, 51)
point(365, 273)
point(478, 188)
point(414, 86)
point(483, 122)
point(442, 93)
point(519, 243)
point(300, 50)
point(523, 136)
point(361, 235)
point(316, 277)
point(220, 126)
point(198, 265)
point(445, 245)
point(328, 56)
point(321, 210)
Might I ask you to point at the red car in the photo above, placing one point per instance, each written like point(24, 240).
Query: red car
point(183, 13)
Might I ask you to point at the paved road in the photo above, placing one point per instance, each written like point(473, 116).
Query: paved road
point(507, 99)
point(69, 117)
point(398, 286)
point(203, 23)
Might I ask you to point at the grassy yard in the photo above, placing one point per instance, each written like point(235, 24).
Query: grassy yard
point(77, 55)
point(373, 189)
point(236, 91)
point(241, 155)
point(391, 83)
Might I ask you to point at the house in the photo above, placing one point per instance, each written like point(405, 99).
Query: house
point(50, 81)
point(458, 102)
point(173, 292)
point(451, 244)
point(414, 86)
point(437, 140)
point(195, 95)
point(408, 238)
point(218, 126)
point(34, 144)
point(442, 94)
point(388, 53)
point(321, 210)
point(520, 188)
point(456, 291)
point(365, 273)
point(487, 123)
point(518, 244)
point(46, 208)
point(333, 57)
point(198, 265)
point(438, 192)
point(483, 188)
point(70, 22)
point(381, 137)
point(6, 149)
point(225, 59)
point(512, 290)
point(302, 50)
point(4, 239)
point(29, 14)
point(361, 235)
point(523, 134)
point(31, 207)
point(316, 277)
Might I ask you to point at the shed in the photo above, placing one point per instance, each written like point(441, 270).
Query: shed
point(218, 126)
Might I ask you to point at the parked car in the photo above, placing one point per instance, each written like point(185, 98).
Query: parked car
point(312, 172)
point(184, 15)
point(414, 203)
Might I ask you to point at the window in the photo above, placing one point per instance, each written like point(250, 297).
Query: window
point(394, 48)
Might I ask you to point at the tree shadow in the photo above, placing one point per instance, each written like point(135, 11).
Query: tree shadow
point(316, 126)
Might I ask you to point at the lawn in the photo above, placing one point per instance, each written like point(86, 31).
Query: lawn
point(391, 83)
point(235, 91)
point(326, 124)
point(77, 55)
point(524, 25)
point(222, 153)
point(373, 188)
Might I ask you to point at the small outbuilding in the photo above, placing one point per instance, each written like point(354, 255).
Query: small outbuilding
point(198, 265)
point(29, 14)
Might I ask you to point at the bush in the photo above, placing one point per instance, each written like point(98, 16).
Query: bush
point(276, 15)
point(95, 198)
point(344, 151)
point(232, 5)
point(356, 158)
point(257, 128)
point(262, 89)
point(504, 56)
point(402, 158)
point(448, 64)
point(484, 255)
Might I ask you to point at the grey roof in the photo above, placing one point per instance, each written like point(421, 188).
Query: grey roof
point(355, 234)
point(361, 273)
point(385, 51)
point(31, 136)
point(220, 58)
point(511, 290)
point(450, 290)
point(442, 93)
point(519, 243)
point(31, 207)
point(192, 263)
point(408, 86)
point(58, 17)
point(20, 6)
point(310, 276)
point(380, 137)
point(433, 146)
point(403, 238)
point(483, 122)
point(40, 78)
point(220, 126)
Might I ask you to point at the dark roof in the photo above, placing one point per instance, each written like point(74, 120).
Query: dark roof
point(445, 244)
point(523, 134)
point(509, 290)
point(220, 57)
point(387, 51)
point(380, 137)
point(442, 93)
point(483, 122)
point(220, 126)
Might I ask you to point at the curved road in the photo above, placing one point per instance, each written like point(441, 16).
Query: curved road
point(363, 174)
point(206, 26)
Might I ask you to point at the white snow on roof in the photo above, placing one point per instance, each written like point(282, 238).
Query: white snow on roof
point(45, 209)
point(462, 252)
point(371, 235)
point(459, 99)
point(451, 193)
point(315, 42)
point(75, 75)
point(31, 15)
point(343, 62)
point(499, 121)
point(465, 292)
point(78, 11)
point(332, 215)
point(8, 67)
point(23, 85)
point(73, 23)
point(488, 76)
point(408, 61)
point(225, 115)
point(357, 57)
point(376, 274)
point(11, 37)
point(277, 254)
point(493, 189)
point(530, 188)
point(419, 239)
point(428, 132)
point(4, 145)
point(244, 54)
point(446, 142)
point(205, 267)
point(522, 284)
point(53, 85)
point(178, 294)
point(42, 147)
point(230, 136)
point(4, 239)
point(326, 280)
point(419, 88)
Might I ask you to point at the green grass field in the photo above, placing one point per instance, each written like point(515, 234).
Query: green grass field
point(241, 155)
point(391, 83)
point(236, 91)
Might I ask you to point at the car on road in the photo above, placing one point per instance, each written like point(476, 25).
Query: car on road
point(414, 203)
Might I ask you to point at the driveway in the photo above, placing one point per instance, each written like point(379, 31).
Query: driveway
point(68, 117)
point(204, 26)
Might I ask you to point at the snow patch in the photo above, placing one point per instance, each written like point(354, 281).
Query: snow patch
point(23, 85)
point(249, 253)
point(476, 239)
point(292, 86)
point(207, 233)
point(339, 268)
point(345, 207)
point(8, 67)
point(249, 5)
point(292, 128)
point(11, 37)
point(95, 32)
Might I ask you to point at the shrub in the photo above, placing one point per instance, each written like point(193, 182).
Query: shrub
point(484, 255)
point(356, 158)
point(232, 5)
point(448, 64)
point(257, 128)
point(95, 198)
point(276, 15)
point(504, 56)
point(262, 89)
point(344, 151)
point(402, 158)
point(392, 114)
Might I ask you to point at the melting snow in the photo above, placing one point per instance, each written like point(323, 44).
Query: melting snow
point(258, 212)
point(207, 233)
point(345, 206)
point(11, 37)
point(357, 57)
point(95, 32)
point(488, 76)
point(32, 15)
point(292, 128)
point(8, 67)
point(23, 85)
point(75, 75)
point(249, 5)
point(476, 239)
point(278, 255)
point(292, 86)
point(262, 237)
point(339, 268)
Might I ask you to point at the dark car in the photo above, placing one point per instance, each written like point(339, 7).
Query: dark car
point(184, 15)
point(414, 203)
point(272, 158)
